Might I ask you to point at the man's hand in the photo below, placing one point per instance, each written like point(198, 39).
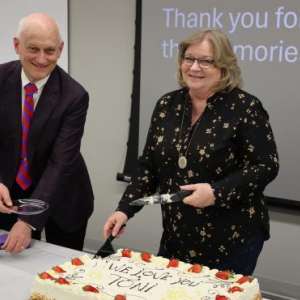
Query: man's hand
point(202, 196)
point(114, 224)
point(18, 238)
point(5, 201)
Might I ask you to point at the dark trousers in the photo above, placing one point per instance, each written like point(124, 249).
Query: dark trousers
point(244, 259)
point(54, 234)
point(241, 261)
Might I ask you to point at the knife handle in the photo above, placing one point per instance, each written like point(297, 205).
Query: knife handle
point(179, 196)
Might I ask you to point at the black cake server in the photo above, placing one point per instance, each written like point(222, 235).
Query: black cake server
point(107, 249)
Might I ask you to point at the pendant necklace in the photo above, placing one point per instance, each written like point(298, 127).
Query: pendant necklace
point(182, 159)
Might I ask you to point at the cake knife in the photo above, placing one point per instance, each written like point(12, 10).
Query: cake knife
point(162, 198)
point(107, 249)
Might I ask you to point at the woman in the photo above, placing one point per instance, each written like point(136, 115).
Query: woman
point(214, 139)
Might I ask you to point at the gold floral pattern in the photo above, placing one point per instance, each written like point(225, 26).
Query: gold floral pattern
point(232, 148)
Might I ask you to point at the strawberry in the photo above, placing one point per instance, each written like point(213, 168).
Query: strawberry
point(225, 275)
point(90, 288)
point(120, 297)
point(173, 263)
point(45, 275)
point(218, 297)
point(244, 279)
point(76, 261)
point(61, 280)
point(58, 269)
point(195, 268)
point(146, 256)
point(235, 289)
point(126, 252)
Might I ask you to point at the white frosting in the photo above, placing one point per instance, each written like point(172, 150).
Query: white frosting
point(139, 280)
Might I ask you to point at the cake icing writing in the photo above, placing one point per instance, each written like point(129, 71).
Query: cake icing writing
point(130, 275)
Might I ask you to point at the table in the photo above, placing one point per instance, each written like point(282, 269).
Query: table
point(17, 271)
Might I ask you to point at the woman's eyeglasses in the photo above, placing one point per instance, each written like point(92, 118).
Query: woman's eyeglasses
point(202, 62)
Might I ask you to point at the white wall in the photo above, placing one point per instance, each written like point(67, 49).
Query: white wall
point(101, 58)
point(279, 264)
point(12, 11)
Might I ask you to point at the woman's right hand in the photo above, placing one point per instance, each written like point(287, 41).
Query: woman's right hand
point(114, 223)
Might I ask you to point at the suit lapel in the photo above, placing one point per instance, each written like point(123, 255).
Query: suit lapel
point(45, 106)
point(12, 101)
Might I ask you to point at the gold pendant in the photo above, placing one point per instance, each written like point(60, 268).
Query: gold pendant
point(182, 162)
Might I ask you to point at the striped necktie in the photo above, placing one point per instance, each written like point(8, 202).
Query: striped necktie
point(23, 176)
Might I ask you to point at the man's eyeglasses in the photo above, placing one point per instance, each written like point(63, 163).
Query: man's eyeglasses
point(202, 62)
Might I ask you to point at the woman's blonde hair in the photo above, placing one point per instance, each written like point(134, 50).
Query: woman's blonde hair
point(223, 56)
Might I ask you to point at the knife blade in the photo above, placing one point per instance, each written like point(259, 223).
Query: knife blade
point(106, 248)
point(161, 198)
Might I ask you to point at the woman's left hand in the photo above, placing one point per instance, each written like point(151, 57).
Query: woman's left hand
point(202, 196)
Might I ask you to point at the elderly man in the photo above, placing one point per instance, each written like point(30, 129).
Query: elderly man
point(42, 117)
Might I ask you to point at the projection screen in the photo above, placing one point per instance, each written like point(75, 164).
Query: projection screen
point(265, 36)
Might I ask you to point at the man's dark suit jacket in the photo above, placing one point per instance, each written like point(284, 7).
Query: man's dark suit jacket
point(58, 171)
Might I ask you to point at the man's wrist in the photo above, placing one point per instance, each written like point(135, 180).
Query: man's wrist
point(28, 225)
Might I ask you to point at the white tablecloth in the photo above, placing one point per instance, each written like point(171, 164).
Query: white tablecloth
point(17, 271)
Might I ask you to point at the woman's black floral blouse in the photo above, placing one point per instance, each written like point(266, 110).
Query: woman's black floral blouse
point(232, 148)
